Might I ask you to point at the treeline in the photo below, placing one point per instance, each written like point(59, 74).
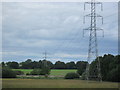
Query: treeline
point(110, 67)
point(29, 64)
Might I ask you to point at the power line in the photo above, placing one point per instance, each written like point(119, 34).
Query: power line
point(74, 37)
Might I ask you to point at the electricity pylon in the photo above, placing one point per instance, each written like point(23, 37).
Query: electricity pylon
point(45, 58)
point(93, 45)
point(45, 55)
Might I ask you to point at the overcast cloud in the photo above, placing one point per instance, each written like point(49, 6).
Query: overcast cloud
point(30, 29)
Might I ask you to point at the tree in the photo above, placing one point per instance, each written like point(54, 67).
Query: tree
point(110, 67)
point(50, 64)
point(40, 64)
point(81, 67)
point(113, 75)
point(60, 65)
point(13, 65)
point(47, 63)
point(42, 71)
point(3, 64)
point(45, 71)
point(34, 65)
point(105, 62)
point(8, 73)
point(27, 64)
point(71, 65)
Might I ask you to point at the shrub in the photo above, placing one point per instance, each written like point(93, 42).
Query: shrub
point(83, 77)
point(35, 72)
point(0, 71)
point(19, 72)
point(27, 73)
point(45, 71)
point(80, 71)
point(8, 73)
point(71, 75)
point(113, 75)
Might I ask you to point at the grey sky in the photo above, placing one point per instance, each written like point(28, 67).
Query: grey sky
point(29, 29)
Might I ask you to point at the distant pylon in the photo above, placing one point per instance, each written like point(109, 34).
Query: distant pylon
point(45, 55)
point(93, 45)
point(45, 58)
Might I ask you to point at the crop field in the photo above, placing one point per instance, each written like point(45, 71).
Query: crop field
point(52, 83)
point(54, 72)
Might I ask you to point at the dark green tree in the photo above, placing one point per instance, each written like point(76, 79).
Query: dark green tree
point(34, 65)
point(71, 65)
point(8, 73)
point(60, 65)
point(110, 67)
point(27, 64)
point(3, 64)
point(81, 67)
point(13, 65)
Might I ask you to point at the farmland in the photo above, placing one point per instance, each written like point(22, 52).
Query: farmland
point(54, 72)
point(52, 83)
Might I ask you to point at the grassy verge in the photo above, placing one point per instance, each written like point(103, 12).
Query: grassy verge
point(53, 83)
point(38, 77)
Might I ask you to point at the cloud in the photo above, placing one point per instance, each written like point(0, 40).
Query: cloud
point(31, 28)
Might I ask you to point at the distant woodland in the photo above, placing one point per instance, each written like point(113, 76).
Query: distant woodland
point(110, 66)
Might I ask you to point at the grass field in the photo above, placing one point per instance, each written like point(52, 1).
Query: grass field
point(54, 83)
point(60, 83)
point(55, 72)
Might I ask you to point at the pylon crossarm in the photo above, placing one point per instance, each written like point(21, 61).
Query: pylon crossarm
point(89, 15)
point(89, 28)
point(93, 2)
point(100, 4)
point(85, 4)
point(97, 15)
point(84, 30)
point(99, 29)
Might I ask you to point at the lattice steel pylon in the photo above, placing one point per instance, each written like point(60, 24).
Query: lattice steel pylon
point(93, 45)
point(45, 55)
point(45, 58)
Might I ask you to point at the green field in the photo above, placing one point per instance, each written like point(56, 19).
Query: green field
point(52, 83)
point(54, 72)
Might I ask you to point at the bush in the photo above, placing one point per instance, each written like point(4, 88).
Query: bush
point(35, 72)
point(71, 76)
point(43, 71)
point(27, 73)
point(0, 71)
point(113, 75)
point(80, 71)
point(83, 77)
point(19, 72)
point(8, 73)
